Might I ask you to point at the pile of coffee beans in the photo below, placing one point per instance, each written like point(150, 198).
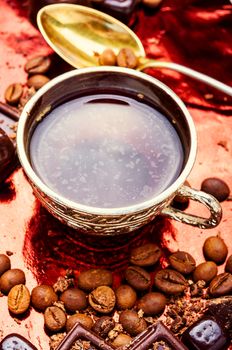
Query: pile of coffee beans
point(125, 58)
point(18, 94)
point(119, 313)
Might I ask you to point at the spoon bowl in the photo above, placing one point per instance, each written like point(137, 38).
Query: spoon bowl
point(79, 34)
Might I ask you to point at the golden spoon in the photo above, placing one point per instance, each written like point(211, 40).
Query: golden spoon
point(79, 34)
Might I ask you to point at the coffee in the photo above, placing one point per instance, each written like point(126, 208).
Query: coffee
point(106, 151)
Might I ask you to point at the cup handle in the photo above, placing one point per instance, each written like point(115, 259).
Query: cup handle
point(206, 199)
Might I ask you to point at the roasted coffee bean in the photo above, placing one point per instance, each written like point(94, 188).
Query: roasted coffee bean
point(216, 187)
point(102, 299)
point(215, 249)
point(43, 296)
point(37, 81)
point(228, 267)
point(138, 278)
point(10, 279)
point(182, 262)
point(4, 263)
point(83, 319)
point(145, 255)
point(54, 318)
point(74, 299)
point(152, 303)
point(221, 285)
point(103, 326)
point(131, 322)
point(13, 93)
point(125, 297)
point(7, 161)
point(121, 340)
point(19, 299)
point(170, 282)
point(93, 278)
point(37, 65)
point(205, 271)
point(151, 4)
point(126, 58)
point(180, 202)
point(107, 58)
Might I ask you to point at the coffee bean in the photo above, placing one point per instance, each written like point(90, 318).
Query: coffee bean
point(151, 4)
point(152, 303)
point(18, 299)
point(216, 187)
point(7, 163)
point(37, 81)
point(83, 319)
point(121, 340)
point(10, 279)
point(228, 267)
point(215, 249)
point(126, 58)
point(221, 285)
point(93, 278)
point(43, 296)
point(102, 299)
point(181, 202)
point(131, 322)
point(182, 262)
point(103, 326)
point(13, 93)
point(107, 58)
point(4, 263)
point(38, 65)
point(170, 282)
point(138, 278)
point(125, 297)
point(54, 318)
point(74, 299)
point(145, 255)
point(205, 271)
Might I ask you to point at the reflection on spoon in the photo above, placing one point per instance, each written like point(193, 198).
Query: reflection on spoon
point(78, 34)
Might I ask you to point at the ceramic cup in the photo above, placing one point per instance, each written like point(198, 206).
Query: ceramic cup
point(107, 221)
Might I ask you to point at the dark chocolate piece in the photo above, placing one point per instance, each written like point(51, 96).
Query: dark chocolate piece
point(9, 111)
point(156, 332)
point(15, 341)
point(206, 334)
point(79, 331)
point(8, 157)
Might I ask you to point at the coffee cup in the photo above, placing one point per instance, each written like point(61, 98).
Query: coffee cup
point(106, 149)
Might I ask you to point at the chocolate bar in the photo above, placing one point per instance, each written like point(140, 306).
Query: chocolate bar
point(15, 341)
point(154, 333)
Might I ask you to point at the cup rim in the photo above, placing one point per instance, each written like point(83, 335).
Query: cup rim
point(35, 179)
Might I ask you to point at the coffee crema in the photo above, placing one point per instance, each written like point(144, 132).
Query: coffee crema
point(106, 151)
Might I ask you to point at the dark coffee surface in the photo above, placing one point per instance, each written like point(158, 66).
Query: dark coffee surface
point(110, 151)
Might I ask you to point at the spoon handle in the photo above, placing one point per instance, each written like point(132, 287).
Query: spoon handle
point(189, 72)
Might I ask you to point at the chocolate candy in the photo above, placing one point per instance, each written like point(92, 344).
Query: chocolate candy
point(7, 156)
point(206, 334)
point(15, 341)
point(155, 332)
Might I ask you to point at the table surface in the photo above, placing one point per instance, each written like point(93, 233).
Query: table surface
point(19, 40)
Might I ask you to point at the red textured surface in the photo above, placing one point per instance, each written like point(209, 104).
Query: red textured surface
point(196, 34)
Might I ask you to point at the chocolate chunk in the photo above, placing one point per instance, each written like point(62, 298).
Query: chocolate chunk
point(15, 341)
point(206, 334)
point(155, 332)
